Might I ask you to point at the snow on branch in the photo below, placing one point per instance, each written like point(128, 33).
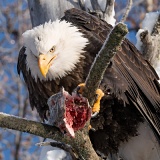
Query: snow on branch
point(148, 39)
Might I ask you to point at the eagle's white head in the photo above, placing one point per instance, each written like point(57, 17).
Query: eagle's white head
point(53, 49)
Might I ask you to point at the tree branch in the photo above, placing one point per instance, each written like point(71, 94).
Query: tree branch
point(28, 126)
point(49, 10)
point(109, 7)
point(151, 42)
point(111, 45)
point(80, 143)
point(128, 8)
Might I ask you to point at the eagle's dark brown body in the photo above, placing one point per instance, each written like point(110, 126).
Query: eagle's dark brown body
point(130, 85)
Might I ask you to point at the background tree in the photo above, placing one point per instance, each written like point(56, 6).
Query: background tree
point(14, 20)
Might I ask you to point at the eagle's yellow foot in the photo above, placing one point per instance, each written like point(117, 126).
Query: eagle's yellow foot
point(96, 106)
point(99, 93)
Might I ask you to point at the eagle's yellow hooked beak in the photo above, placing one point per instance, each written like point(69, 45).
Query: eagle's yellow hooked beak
point(45, 61)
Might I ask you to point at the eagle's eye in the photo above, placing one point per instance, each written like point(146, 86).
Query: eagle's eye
point(52, 49)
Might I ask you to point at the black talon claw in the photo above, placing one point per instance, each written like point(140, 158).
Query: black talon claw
point(94, 114)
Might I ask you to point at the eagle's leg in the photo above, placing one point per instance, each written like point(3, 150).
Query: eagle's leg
point(99, 95)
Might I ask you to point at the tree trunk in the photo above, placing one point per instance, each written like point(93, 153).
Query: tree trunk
point(42, 11)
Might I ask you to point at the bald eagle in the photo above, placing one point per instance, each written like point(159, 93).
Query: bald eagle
point(60, 53)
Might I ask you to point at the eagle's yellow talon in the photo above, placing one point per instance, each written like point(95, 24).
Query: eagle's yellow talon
point(81, 88)
point(96, 106)
point(99, 93)
point(89, 127)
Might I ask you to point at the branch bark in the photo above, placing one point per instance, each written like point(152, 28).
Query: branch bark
point(49, 10)
point(81, 143)
point(109, 7)
point(101, 62)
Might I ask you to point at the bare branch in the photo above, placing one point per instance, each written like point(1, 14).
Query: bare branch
point(28, 126)
point(80, 143)
point(108, 50)
point(136, 3)
point(109, 7)
point(149, 5)
point(128, 8)
point(44, 9)
point(82, 4)
point(95, 6)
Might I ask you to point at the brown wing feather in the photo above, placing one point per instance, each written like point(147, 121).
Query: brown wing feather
point(130, 76)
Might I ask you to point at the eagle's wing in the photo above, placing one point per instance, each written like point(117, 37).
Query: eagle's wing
point(129, 76)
